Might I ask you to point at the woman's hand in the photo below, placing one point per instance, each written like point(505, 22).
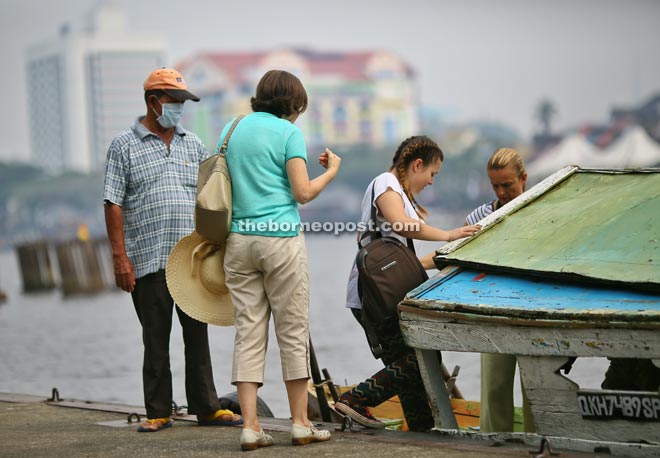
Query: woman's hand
point(330, 160)
point(464, 231)
point(302, 188)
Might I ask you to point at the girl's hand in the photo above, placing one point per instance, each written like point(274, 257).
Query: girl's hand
point(463, 231)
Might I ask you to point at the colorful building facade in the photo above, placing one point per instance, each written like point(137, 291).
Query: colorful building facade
point(367, 98)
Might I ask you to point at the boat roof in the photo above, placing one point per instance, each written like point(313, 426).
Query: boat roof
point(586, 225)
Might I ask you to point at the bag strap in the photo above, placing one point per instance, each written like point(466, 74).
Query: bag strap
point(410, 244)
point(376, 234)
point(225, 142)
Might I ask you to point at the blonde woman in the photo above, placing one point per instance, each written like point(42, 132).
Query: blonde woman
point(508, 179)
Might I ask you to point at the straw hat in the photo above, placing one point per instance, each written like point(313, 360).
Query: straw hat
point(196, 280)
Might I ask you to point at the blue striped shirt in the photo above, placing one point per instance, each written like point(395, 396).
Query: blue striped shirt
point(155, 188)
point(479, 213)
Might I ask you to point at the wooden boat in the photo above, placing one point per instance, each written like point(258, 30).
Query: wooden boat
point(467, 412)
point(569, 269)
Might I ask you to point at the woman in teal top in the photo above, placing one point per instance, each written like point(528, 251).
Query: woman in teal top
point(265, 259)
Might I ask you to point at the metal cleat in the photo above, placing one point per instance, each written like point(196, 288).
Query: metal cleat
point(347, 423)
point(540, 453)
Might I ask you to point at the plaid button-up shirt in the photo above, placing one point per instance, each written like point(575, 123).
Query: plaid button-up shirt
point(155, 188)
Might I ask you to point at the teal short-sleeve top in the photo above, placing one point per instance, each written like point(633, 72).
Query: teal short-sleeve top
point(258, 150)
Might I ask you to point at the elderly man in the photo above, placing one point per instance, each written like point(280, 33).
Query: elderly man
point(149, 197)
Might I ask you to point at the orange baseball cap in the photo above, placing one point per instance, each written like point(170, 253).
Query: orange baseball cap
point(171, 82)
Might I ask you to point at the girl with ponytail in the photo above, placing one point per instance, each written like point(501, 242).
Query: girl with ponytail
point(393, 193)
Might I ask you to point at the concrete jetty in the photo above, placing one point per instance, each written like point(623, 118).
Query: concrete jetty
point(31, 426)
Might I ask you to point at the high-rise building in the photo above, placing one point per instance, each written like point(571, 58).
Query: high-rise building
point(84, 87)
point(367, 98)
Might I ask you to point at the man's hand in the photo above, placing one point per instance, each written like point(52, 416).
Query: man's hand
point(124, 273)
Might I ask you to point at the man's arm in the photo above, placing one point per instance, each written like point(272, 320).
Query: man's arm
point(114, 224)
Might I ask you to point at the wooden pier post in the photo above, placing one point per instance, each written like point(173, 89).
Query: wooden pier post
point(104, 258)
point(36, 269)
point(79, 268)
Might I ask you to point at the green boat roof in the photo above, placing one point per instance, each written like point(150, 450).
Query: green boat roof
point(594, 225)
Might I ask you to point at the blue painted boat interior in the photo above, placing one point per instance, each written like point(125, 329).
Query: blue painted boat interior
point(489, 290)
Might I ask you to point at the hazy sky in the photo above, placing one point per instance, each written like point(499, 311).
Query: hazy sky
point(476, 59)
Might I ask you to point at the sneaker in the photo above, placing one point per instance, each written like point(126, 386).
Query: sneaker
point(301, 435)
point(252, 440)
point(359, 414)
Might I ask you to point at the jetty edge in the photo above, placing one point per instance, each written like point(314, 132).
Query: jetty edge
point(34, 426)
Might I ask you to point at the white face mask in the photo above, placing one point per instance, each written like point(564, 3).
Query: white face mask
point(172, 113)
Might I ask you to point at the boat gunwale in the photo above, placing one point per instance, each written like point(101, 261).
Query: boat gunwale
point(462, 313)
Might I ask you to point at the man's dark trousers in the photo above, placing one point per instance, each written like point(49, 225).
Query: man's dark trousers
point(153, 305)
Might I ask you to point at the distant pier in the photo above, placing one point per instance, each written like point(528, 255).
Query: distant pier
point(83, 266)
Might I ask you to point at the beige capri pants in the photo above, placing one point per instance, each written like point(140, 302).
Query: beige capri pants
point(267, 275)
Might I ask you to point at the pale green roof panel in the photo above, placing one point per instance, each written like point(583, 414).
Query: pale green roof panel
point(595, 224)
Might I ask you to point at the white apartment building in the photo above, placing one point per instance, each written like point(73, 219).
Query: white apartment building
point(84, 87)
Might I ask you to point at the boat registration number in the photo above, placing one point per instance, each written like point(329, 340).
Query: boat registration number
point(610, 405)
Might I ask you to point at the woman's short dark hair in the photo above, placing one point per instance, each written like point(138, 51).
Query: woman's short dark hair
point(280, 93)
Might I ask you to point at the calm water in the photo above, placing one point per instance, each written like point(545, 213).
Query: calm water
point(90, 347)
